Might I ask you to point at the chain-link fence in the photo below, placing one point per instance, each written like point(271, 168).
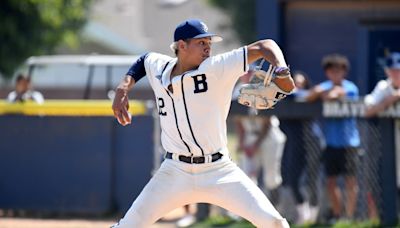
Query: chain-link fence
point(305, 177)
point(304, 174)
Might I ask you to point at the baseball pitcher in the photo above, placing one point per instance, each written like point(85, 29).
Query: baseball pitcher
point(193, 93)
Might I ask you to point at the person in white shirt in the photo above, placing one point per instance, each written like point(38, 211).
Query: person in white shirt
point(23, 91)
point(385, 94)
point(193, 92)
point(387, 91)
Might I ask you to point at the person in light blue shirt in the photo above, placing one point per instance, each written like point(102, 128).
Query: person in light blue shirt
point(341, 134)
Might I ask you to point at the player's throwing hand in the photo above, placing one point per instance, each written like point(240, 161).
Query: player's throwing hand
point(120, 104)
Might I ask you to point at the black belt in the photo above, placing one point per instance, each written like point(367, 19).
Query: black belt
point(196, 160)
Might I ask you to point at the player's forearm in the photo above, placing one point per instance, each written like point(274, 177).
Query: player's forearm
point(125, 85)
point(270, 51)
point(286, 84)
point(375, 109)
point(267, 49)
point(314, 94)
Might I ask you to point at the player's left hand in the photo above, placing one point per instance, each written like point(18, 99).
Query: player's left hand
point(262, 92)
point(120, 108)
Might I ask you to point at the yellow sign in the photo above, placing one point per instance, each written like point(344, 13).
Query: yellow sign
point(68, 108)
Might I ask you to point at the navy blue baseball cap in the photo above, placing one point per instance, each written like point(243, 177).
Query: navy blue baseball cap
point(393, 60)
point(194, 28)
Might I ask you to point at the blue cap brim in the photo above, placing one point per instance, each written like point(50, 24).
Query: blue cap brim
point(214, 37)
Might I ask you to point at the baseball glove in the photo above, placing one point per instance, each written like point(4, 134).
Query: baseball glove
point(262, 92)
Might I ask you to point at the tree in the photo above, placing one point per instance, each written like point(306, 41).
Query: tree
point(33, 27)
point(243, 17)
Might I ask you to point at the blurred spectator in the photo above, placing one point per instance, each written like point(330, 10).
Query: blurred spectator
point(342, 137)
point(23, 91)
point(386, 92)
point(302, 155)
point(303, 86)
point(261, 142)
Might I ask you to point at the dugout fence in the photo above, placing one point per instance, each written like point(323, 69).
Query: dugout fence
point(71, 157)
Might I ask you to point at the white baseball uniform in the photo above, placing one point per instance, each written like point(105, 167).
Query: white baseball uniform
point(383, 89)
point(193, 122)
point(269, 154)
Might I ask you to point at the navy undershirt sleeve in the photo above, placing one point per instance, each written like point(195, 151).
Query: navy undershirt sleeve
point(137, 70)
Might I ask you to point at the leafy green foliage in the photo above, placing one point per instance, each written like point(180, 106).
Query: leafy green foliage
point(32, 27)
point(243, 17)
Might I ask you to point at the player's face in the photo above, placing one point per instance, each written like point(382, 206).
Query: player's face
point(199, 49)
point(336, 74)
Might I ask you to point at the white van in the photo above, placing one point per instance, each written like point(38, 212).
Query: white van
point(83, 76)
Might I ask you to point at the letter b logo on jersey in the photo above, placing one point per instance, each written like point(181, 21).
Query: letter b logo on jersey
point(200, 83)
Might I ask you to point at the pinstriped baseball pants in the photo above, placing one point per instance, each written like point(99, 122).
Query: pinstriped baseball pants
point(220, 183)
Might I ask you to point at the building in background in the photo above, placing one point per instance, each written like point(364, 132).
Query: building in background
point(361, 30)
point(137, 26)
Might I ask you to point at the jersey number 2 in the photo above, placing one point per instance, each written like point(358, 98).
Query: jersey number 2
point(161, 105)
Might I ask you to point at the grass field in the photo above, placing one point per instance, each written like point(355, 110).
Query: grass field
point(212, 222)
point(218, 221)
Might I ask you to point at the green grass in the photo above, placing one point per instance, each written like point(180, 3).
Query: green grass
point(222, 221)
point(225, 222)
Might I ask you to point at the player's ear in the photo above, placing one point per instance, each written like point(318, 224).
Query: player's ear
point(181, 44)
